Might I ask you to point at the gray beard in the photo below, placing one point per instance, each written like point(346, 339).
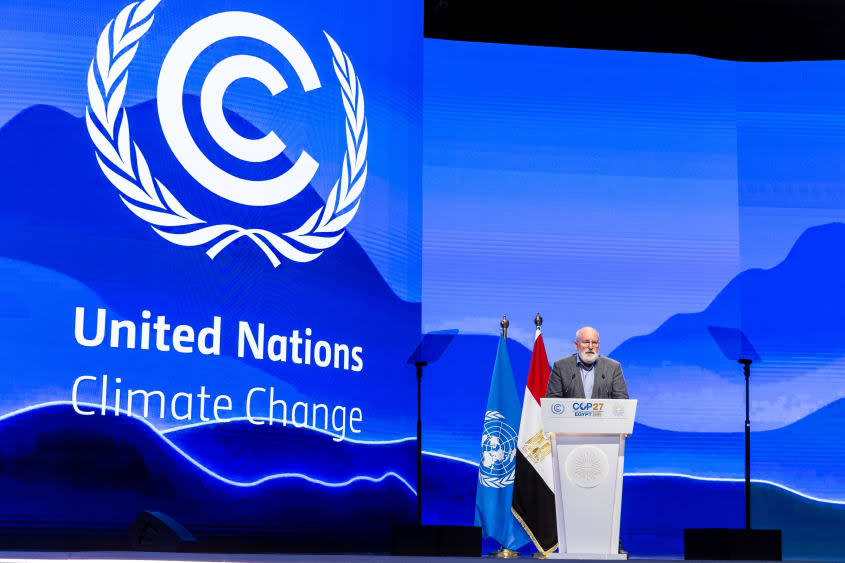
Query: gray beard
point(588, 357)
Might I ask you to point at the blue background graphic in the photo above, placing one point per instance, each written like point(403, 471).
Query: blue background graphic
point(650, 196)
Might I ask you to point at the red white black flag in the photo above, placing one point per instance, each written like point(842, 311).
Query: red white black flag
point(533, 488)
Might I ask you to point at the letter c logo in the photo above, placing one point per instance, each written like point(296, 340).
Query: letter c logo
point(171, 84)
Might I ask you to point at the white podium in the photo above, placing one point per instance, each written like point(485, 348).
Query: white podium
point(588, 454)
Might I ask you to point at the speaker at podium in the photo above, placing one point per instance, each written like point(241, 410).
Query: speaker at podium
point(588, 458)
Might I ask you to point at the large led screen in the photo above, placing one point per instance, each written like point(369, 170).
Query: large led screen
point(650, 196)
point(210, 266)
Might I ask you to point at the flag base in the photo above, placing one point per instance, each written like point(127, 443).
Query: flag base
point(504, 553)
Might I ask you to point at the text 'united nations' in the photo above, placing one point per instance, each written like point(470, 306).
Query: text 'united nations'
point(183, 338)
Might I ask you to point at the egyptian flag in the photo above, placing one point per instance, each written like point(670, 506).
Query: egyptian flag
point(533, 488)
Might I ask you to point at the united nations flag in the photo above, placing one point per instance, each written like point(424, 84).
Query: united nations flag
point(497, 464)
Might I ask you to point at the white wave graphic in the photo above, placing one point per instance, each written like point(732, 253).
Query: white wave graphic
point(208, 471)
point(372, 479)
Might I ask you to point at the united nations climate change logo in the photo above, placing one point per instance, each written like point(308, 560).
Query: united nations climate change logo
point(126, 167)
point(498, 451)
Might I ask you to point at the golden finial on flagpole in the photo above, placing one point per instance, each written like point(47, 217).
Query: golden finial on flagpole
point(505, 324)
point(538, 320)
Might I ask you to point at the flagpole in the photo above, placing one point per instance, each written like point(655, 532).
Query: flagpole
point(533, 493)
point(504, 552)
point(538, 322)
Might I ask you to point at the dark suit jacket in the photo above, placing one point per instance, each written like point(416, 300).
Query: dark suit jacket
point(608, 381)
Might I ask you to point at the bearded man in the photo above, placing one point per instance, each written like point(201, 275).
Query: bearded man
point(585, 374)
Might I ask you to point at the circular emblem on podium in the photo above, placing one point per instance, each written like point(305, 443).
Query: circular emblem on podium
point(586, 466)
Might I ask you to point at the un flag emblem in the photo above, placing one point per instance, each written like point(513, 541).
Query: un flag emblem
point(498, 451)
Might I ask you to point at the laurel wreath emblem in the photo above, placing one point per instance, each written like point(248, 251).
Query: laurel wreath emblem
point(125, 166)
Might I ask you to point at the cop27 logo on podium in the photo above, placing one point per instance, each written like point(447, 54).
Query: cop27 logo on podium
point(125, 166)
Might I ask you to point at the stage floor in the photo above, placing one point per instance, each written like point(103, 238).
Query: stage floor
point(143, 557)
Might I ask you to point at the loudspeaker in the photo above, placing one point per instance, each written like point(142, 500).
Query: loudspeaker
point(434, 541)
point(730, 544)
point(156, 531)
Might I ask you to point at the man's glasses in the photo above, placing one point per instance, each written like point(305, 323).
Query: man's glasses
point(593, 343)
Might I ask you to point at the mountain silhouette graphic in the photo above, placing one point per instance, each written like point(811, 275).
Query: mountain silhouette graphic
point(47, 144)
point(61, 213)
point(792, 313)
point(812, 466)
